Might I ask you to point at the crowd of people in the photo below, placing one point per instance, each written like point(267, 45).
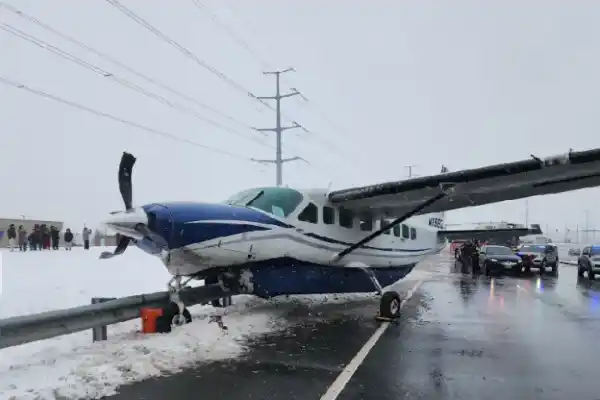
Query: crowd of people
point(43, 237)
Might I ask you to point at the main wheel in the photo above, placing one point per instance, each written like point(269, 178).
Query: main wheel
point(389, 305)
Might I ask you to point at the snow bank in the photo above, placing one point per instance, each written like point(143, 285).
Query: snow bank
point(72, 366)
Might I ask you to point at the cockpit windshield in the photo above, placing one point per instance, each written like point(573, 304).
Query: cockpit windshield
point(278, 201)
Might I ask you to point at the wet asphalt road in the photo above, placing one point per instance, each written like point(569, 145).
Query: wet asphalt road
point(460, 337)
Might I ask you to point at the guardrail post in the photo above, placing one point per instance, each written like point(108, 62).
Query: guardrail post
point(100, 332)
point(226, 301)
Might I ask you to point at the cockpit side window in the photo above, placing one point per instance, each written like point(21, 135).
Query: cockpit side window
point(310, 214)
point(278, 201)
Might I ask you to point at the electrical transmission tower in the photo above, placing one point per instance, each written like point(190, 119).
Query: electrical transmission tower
point(279, 160)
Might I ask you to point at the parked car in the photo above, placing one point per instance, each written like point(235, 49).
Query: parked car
point(589, 261)
point(498, 259)
point(540, 256)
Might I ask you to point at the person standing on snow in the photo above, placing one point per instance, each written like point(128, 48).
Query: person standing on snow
point(11, 233)
point(86, 237)
point(22, 238)
point(68, 239)
point(45, 237)
point(54, 236)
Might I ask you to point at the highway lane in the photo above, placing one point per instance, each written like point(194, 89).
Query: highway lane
point(459, 337)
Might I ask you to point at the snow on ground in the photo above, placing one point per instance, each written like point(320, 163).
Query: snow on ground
point(37, 281)
point(71, 366)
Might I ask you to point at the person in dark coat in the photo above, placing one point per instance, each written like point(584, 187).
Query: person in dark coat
point(68, 239)
point(22, 237)
point(54, 236)
point(45, 237)
point(11, 233)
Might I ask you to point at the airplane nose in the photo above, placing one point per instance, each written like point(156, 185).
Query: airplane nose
point(127, 222)
point(159, 224)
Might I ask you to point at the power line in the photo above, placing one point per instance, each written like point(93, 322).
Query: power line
point(182, 49)
point(153, 81)
point(265, 64)
point(279, 160)
point(236, 38)
point(79, 106)
point(63, 54)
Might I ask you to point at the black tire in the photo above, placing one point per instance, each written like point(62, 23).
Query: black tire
point(389, 305)
point(169, 313)
point(591, 274)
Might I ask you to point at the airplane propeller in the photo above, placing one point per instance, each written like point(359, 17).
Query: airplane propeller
point(125, 187)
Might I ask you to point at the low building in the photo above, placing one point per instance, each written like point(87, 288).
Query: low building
point(28, 224)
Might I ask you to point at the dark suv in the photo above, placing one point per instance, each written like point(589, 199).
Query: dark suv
point(539, 256)
point(589, 261)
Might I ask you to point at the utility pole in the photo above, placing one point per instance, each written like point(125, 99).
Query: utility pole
point(587, 226)
point(526, 213)
point(279, 160)
point(410, 169)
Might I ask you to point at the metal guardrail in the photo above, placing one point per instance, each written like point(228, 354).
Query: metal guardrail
point(30, 328)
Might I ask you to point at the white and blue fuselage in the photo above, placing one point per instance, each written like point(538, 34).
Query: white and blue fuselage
point(282, 241)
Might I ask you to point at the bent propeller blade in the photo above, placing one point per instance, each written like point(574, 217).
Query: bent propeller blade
point(121, 246)
point(125, 171)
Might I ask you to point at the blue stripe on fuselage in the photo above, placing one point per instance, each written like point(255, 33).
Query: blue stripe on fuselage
point(186, 233)
point(187, 212)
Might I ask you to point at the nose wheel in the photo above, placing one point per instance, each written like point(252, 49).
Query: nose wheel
point(176, 314)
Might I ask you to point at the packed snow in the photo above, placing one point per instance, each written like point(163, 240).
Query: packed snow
point(72, 366)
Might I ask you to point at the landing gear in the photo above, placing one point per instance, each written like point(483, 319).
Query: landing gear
point(389, 303)
point(177, 314)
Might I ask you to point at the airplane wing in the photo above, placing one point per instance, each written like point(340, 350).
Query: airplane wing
point(476, 187)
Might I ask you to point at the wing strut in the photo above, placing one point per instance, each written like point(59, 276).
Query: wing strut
point(395, 222)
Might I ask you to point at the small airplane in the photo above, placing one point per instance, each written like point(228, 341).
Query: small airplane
point(272, 241)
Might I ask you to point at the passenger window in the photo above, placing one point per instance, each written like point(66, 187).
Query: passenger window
point(586, 251)
point(382, 224)
point(309, 214)
point(346, 218)
point(366, 223)
point(405, 231)
point(397, 230)
point(328, 215)
point(413, 233)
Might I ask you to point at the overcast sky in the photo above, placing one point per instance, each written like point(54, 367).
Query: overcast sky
point(389, 84)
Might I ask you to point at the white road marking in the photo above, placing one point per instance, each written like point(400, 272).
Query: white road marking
point(344, 377)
